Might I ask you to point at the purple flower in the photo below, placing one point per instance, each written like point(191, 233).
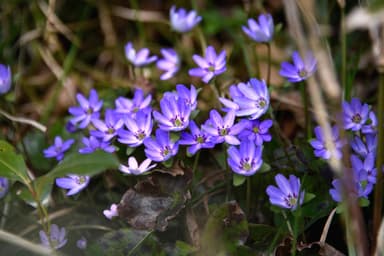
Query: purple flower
point(183, 21)
point(174, 116)
point(136, 169)
point(286, 195)
point(5, 78)
point(4, 186)
point(129, 107)
point(108, 129)
point(160, 148)
point(58, 148)
point(75, 183)
point(88, 109)
point(223, 129)
point(112, 212)
point(170, 63)
point(81, 243)
point(320, 146)
point(363, 149)
point(56, 239)
point(210, 66)
point(300, 70)
point(139, 128)
point(366, 167)
point(247, 159)
point(371, 124)
point(261, 31)
point(362, 187)
point(355, 114)
point(196, 139)
point(254, 98)
point(189, 95)
point(257, 131)
point(92, 144)
point(140, 58)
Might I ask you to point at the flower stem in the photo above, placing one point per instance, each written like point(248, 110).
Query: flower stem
point(269, 63)
point(345, 86)
point(195, 163)
point(229, 176)
point(248, 197)
point(305, 100)
point(212, 85)
point(256, 62)
point(378, 197)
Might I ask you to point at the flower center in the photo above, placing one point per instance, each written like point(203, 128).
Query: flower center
point(165, 151)
point(356, 119)
point(178, 122)
point(89, 111)
point(111, 131)
point(81, 180)
point(200, 139)
point(140, 135)
point(223, 131)
point(303, 73)
point(245, 164)
point(291, 201)
point(256, 129)
point(211, 68)
point(261, 102)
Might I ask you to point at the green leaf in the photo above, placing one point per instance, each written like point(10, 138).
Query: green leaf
point(308, 197)
point(5, 146)
point(12, 166)
point(43, 188)
point(238, 179)
point(89, 164)
point(363, 202)
point(264, 168)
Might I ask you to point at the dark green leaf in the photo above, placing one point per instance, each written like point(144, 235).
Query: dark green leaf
point(43, 188)
point(89, 164)
point(264, 168)
point(238, 179)
point(12, 166)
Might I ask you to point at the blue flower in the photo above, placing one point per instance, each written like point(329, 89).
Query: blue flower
point(261, 31)
point(183, 21)
point(366, 167)
point(320, 146)
point(5, 78)
point(210, 66)
point(223, 129)
point(92, 144)
point(252, 98)
point(136, 169)
point(111, 212)
point(286, 195)
point(140, 58)
point(139, 128)
point(371, 125)
point(108, 129)
point(75, 183)
point(363, 149)
point(58, 148)
point(196, 139)
point(128, 107)
point(300, 70)
point(170, 63)
point(355, 114)
point(88, 109)
point(81, 243)
point(160, 148)
point(4, 186)
point(189, 95)
point(56, 239)
point(174, 116)
point(257, 131)
point(247, 159)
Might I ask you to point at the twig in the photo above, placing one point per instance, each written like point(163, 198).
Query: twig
point(24, 121)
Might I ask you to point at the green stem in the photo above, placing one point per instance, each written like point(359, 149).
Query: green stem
point(202, 40)
point(212, 85)
point(195, 163)
point(257, 62)
point(307, 121)
point(229, 177)
point(269, 64)
point(248, 197)
point(139, 243)
point(378, 197)
point(288, 224)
